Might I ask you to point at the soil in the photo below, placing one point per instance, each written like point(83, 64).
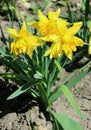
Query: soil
point(20, 113)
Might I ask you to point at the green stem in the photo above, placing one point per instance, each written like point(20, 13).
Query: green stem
point(43, 96)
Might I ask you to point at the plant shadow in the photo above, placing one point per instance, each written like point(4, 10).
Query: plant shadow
point(19, 104)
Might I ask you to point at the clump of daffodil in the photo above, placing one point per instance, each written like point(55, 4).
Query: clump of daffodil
point(24, 42)
point(55, 29)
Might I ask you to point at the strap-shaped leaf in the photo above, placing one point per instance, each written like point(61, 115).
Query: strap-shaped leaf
point(66, 122)
point(71, 99)
point(22, 89)
point(57, 92)
point(3, 52)
point(14, 76)
point(58, 66)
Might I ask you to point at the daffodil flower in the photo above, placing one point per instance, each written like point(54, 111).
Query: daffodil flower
point(56, 30)
point(24, 42)
point(50, 25)
point(65, 43)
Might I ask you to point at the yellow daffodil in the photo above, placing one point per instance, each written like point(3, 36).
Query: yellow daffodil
point(65, 43)
point(56, 30)
point(50, 25)
point(24, 42)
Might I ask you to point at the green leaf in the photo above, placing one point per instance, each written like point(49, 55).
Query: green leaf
point(3, 36)
point(15, 76)
point(46, 66)
point(70, 13)
point(32, 125)
point(16, 93)
point(83, 4)
point(78, 78)
point(54, 95)
point(66, 122)
point(71, 99)
point(38, 75)
point(56, 125)
point(43, 96)
point(58, 66)
point(57, 92)
point(3, 52)
point(21, 66)
point(45, 3)
point(22, 89)
point(33, 6)
point(89, 25)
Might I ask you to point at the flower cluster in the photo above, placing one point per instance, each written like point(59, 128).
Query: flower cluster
point(58, 32)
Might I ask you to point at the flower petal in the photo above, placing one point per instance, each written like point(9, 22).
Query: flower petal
point(13, 33)
point(42, 17)
point(53, 15)
point(54, 51)
point(74, 29)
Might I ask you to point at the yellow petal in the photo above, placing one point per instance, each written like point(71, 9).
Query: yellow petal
point(53, 15)
point(47, 52)
point(69, 55)
point(12, 47)
point(54, 50)
point(51, 38)
point(42, 17)
point(29, 54)
point(77, 41)
point(13, 33)
point(68, 52)
point(74, 29)
point(33, 23)
point(23, 26)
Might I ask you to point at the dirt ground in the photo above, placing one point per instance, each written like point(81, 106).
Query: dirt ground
point(20, 113)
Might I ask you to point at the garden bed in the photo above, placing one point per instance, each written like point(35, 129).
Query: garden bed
point(23, 112)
